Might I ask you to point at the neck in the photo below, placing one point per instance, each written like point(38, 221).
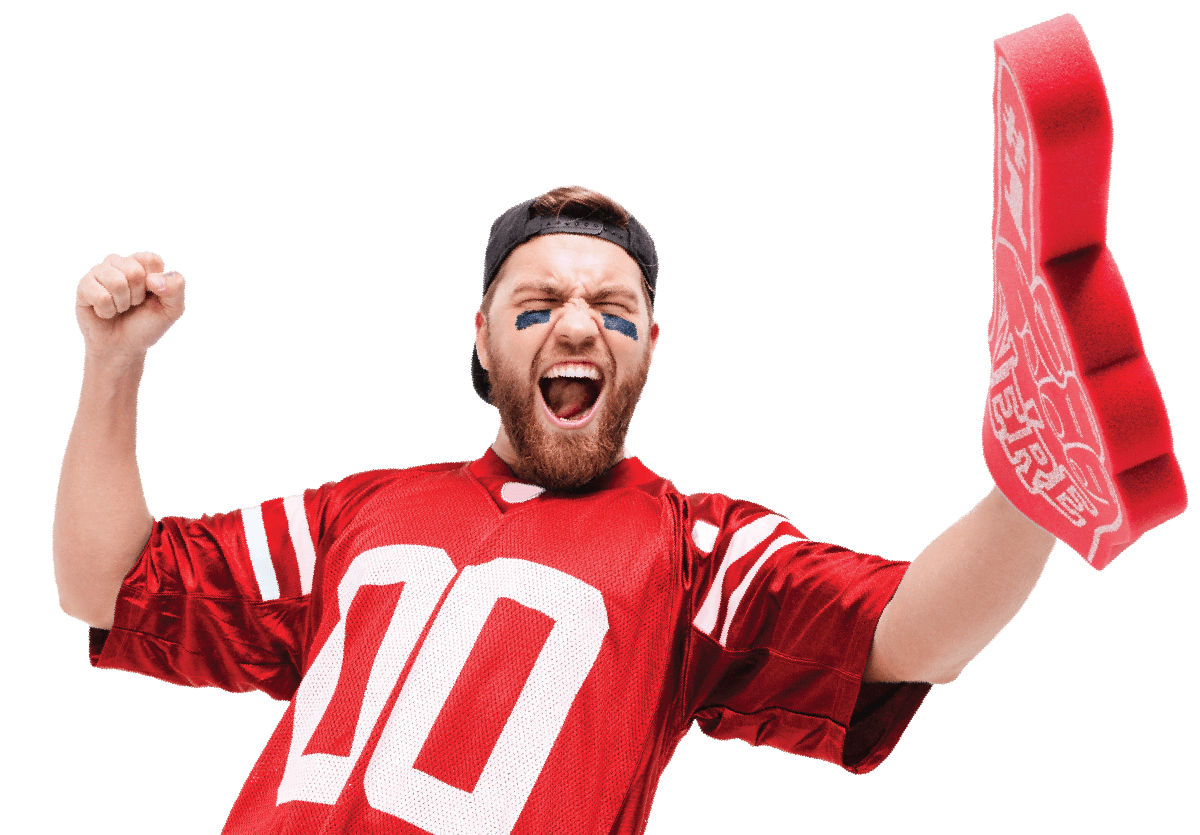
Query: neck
point(503, 447)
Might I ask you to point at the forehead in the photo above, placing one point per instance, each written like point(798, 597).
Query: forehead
point(575, 264)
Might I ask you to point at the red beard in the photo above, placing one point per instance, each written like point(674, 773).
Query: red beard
point(563, 460)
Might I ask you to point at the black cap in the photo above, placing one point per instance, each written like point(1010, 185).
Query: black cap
point(520, 223)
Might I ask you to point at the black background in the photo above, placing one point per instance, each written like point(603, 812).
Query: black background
point(821, 200)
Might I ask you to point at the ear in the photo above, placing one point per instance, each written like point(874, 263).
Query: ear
point(481, 340)
point(653, 337)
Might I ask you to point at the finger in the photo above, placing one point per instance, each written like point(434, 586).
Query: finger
point(115, 282)
point(150, 262)
point(135, 275)
point(94, 295)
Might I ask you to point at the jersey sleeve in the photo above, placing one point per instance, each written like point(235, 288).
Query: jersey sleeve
point(780, 633)
point(223, 601)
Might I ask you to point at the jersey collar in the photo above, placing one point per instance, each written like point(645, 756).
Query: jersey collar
point(507, 490)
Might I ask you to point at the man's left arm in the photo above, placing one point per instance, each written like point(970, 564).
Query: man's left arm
point(958, 594)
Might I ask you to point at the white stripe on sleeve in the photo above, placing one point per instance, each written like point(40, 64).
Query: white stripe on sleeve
point(298, 530)
point(742, 543)
point(735, 599)
point(260, 552)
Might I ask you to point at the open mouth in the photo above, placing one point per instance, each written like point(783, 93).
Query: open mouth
point(570, 391)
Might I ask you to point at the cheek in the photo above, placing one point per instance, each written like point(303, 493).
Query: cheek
point(629, 355)
point(517, 348)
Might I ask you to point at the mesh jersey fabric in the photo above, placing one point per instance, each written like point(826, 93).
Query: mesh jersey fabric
point(468, 654)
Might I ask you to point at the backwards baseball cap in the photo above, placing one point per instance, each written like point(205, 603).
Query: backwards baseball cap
point(522, 223)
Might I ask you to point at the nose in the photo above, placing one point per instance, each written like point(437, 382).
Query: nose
point(577, 323)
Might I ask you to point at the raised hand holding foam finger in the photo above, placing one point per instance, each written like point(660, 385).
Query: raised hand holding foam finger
point(1075, 432)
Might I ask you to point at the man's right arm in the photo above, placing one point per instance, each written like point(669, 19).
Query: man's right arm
point(101, 520)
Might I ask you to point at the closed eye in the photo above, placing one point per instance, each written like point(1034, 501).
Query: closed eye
point(613, 304)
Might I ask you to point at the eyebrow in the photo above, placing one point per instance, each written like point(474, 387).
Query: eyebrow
point(550, 288)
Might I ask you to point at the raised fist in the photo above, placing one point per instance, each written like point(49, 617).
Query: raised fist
point(124, 305)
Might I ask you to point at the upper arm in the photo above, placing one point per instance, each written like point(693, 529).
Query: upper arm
point(96, 616)
point(886, 662)
point(876, 670)
point(105, 623)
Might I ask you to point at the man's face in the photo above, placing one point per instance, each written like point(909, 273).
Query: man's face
point(567, 343)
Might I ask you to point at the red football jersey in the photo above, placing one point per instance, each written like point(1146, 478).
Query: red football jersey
point(465, 653)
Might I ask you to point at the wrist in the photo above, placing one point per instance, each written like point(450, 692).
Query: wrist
point(111, 364)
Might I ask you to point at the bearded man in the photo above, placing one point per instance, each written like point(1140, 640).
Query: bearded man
point(515, 644)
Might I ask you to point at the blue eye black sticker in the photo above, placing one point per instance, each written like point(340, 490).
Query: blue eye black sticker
point(616, 323)
point(532, 318)
point(613, 323)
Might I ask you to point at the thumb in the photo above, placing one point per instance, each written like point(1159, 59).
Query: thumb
point(168, 288)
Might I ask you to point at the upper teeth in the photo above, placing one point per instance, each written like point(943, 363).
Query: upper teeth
point(574, 369)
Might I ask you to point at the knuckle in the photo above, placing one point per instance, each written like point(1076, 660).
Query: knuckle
point(92, 293)
point(113, 277)
point(105, 308)
point(133, 268)
point(103, 273)
point(111, 289)
point(149, 262)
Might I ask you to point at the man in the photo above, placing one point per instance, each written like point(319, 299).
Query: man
point(516, 644)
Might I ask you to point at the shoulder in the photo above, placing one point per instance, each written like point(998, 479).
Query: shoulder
point(355, 491)
point(714, 517)
point(382, 478)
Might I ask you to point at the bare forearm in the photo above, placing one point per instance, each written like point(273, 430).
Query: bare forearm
point(101, 521)
point(959, 593)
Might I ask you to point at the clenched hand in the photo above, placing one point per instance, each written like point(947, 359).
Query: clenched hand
point(125, 305)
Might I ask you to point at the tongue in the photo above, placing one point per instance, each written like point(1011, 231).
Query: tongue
point(567, 397)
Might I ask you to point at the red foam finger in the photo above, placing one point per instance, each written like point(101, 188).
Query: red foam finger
point(1075, 432)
